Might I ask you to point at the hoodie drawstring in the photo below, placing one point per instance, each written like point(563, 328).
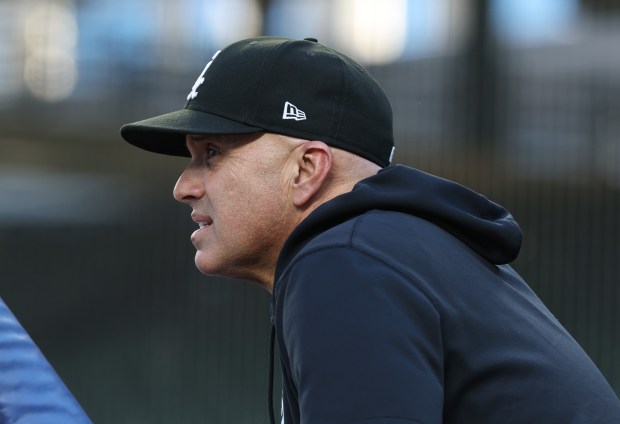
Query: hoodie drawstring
point(272, 338)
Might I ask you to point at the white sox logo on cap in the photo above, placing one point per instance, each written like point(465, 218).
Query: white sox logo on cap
point(193, 94)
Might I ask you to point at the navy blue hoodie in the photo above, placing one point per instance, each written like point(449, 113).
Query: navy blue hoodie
point(393, 304)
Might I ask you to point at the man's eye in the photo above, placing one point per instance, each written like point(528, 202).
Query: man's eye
point(211, 152)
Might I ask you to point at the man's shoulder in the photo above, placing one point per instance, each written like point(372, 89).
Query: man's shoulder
point(373, 227)
point(391, 236)
point(397, 242)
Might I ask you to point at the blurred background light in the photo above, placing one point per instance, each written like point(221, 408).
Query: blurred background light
point(527, 22)
point(230, 20)
point(50, 34)
point(300, 18)
point(436, 27)
point(50, 75)
point(372, 31)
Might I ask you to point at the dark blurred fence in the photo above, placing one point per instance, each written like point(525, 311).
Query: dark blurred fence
point(96, 260)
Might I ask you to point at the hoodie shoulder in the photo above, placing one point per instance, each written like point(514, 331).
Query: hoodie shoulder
point(484, 226)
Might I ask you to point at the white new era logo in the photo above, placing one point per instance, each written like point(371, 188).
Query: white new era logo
point(291, 112)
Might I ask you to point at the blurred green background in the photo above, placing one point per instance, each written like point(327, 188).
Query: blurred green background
point(518, 99)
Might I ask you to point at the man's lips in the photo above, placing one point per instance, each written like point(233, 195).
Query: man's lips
point(202, 220)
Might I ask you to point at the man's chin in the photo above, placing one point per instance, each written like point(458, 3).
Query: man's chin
point(204, 265)
point(208, 265)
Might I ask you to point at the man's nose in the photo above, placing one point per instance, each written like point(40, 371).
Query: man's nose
point(188, 187)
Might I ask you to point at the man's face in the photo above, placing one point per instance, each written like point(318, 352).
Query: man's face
point(237, 189)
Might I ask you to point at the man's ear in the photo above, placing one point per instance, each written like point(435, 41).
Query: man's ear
point(313, 164)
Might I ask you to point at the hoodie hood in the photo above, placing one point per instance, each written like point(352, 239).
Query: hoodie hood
point(484, 226)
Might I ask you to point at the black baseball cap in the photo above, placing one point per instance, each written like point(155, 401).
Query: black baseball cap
point(298, 88)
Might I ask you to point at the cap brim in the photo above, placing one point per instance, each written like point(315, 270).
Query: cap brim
point(166, 133)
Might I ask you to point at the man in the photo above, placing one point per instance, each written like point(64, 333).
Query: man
point(392, 300)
